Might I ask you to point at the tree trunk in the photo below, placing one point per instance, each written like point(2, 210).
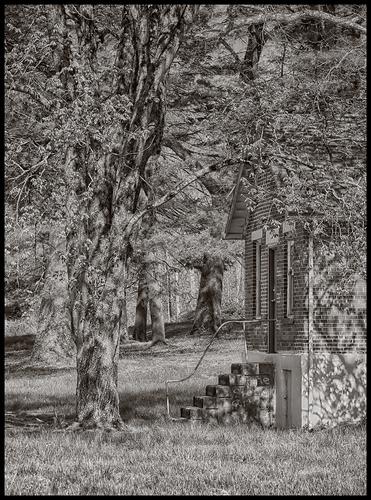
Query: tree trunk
point(155, 302)
point(169, 294)
point(209, 302)
point(96, 395)
point(140, 325)
point(177, 308)
point(255, 44)
point(123, 319)
point(53, 343)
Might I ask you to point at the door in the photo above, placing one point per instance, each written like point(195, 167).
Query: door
point(287, 417)
point(272, 300)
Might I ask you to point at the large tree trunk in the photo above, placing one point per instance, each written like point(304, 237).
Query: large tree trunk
point(97, 396)
point(209, 302)
point(141, 312)
point(104, 167)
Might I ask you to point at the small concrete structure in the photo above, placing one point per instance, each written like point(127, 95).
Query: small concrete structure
point(314, 335)
point(331, 392)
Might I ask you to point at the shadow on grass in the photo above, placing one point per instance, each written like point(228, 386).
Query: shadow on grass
point(149, 406)
point(25, 370)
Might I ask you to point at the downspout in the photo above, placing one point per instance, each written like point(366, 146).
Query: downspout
point(310, 326)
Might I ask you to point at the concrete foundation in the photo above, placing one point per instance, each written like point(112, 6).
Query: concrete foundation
point(323, 390)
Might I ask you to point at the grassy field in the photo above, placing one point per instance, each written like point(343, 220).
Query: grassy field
point(160, 456)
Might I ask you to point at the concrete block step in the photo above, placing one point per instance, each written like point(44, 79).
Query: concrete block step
point(204, 401)
point(252, 368)
point(245, 368)
point(233, 380)
point(192, 413)
point(236, 379)
point(266, 369)
point(220, 391)
point(227, 413)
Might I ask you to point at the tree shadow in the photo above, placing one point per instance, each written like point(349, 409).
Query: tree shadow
point(339, 344)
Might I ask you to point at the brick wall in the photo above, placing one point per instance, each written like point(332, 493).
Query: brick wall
point(339, 321)
point(291, 333)
point(339, 318)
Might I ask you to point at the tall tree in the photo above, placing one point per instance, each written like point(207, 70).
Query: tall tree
point(107, 82)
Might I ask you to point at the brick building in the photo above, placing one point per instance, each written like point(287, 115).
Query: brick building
point(298, 320)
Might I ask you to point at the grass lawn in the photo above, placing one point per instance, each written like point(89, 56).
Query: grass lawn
point(165, 457)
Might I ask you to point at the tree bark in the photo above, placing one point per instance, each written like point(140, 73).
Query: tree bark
point(209, 302)
point(97, 396)
point(154, 299)
point(140, 325)
point(176, 293)
point(53, 343)
point(123, 319)
point(255, 43)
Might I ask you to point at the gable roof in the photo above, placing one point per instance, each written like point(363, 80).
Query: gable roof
point(238, 212)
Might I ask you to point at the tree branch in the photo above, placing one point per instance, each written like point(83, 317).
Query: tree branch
point(171, 194)
point(297, 16)
point(229, 48)
point(32, 93)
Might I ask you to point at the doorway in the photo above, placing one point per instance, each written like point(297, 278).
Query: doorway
point(287, 399)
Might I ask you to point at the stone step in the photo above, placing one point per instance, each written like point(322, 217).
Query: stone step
point(192, 413)
point(231, 379)
point(252, 368)
point(200, 414)
point(245, 368)
point(220, 391)
point(204, 401)
point(236, 379)
point(266, 369)
point(228, 412)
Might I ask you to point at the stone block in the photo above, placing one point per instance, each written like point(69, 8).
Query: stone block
point(204, 401)
point(251, 408)
point(264, 392)
point(264, 380)
point(211, 390)
point(224, 405)
point(192, 413)
point(245, 368)
point(264, 417)
point(266, 369)
point(223, 391)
